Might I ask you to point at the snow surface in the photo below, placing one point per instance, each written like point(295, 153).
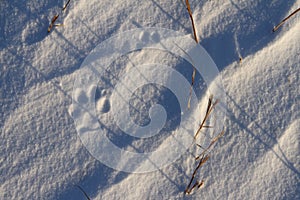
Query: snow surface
point(42, 156)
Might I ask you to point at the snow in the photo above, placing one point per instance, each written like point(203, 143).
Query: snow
point(42, 148)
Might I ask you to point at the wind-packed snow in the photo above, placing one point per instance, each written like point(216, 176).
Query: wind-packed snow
point(42, 155)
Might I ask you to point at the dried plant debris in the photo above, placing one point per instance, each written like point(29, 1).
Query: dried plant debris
point(52, 24)
point(197, 184)
point(284, 20)
point(188, 7)
point(211, 105)
point(204, 156)
point(193, 75)
point(213, 141)
point(66, 5)
point(191, 88)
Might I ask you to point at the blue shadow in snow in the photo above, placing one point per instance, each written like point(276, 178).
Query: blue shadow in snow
point(253, 33)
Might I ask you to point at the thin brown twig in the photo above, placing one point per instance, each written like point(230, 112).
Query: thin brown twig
point(56, 17)
point(197, 184)
point(201, 162)
point(191, 88)
point(211, 144)
point(66, 5)
point(210, 99)
point(200, 184)
point(211, 105)
point(207, 127)
point(204, 156)
point(52, 22)
point(193, 75)
point(188, 7)
point(284, 20)
point(198, 145)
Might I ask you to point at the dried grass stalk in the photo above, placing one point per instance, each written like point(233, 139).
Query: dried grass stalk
point(188, 7)
point(204, 156)
point(213, 141)
point(189, 189)
point(52, 22)
point(211, 105)
point(284, 20)
point(66, 5)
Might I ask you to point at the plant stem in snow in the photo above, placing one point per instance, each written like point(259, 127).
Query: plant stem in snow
point(211, 144)
point(188, 7)
point(189, 189)
point(52, 22)
point(66, 5)
point(211, 105)
point(284, 20)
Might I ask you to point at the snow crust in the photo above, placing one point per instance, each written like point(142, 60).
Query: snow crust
point(42, 156)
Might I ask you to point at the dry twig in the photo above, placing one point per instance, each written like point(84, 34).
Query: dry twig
point(189, 189)
point(211, 144)
point(56, 17)
point(66, 5)
point(52, 22)
point(211, 105)
point(191, 88)
point(188, 7)
point(284, 20)
point(204, 156)
point(193, 75)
